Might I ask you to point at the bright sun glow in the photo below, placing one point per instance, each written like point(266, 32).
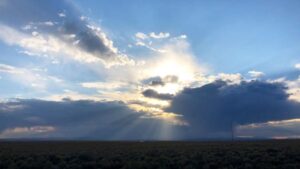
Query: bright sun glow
point(169, 88)
point(174, 62)
point(174, 67)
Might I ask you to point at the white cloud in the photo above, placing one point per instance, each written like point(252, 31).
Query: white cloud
point(141, 35)
point(83, 18)
point(10, 35)
point(277, 80)
point(9, 69)
point(112, 86)
point(230, 78)
point(160, 35)
point(49, 45)
point(31, 78)
point(29, 53)
point(297, 66)
point(61, 14)
point(36, 25)
point(150, 40)
point(34, 33)
point(48, 23)
point(139, 43)
point(255, 74)
point(183, 36)
point(27, 27)
point(294, 89)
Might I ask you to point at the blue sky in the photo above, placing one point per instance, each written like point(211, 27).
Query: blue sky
point(142, 57)
point(231, 36)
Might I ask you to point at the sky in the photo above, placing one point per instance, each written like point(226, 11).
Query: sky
point(149, 70)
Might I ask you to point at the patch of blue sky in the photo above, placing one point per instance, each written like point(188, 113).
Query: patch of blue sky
point(231, 36)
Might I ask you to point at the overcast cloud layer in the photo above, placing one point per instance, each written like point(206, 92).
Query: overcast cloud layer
point(209, 111)
point(83, 119)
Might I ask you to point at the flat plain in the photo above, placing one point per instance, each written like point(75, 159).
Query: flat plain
point(268, 154)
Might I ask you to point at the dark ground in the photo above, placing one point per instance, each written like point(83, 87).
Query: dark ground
point(283, 154)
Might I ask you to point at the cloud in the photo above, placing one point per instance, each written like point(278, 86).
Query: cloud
point(62, 14)
point(170, 74)
point(155, 41)
point(9, 69)
point(297, 66)
point(77, 119)
point(255, 74)
point(293, 89)
point(149, 46)
point(48, 34)
point(105, 85)
point(20, 132)
point(33, 78)
point(154, 94)
point(141, 35)
point(211, 109)
point(48, 23)
point(177, 60)
point(160, 35)
point(170, 79)
point(153, 35)
point(156, 81)
point(230, 78)
point(273, 129)
point(183, 36)
point(166, 73)
point(202, 112)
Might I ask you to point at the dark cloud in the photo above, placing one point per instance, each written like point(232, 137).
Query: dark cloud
point(154, 81)
point(17, 14)
point(159, 81)
point(210, 111)
point(154, 94)
point(80, 119)
point(213, 108)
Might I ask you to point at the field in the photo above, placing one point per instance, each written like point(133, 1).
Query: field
point(134, 155)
